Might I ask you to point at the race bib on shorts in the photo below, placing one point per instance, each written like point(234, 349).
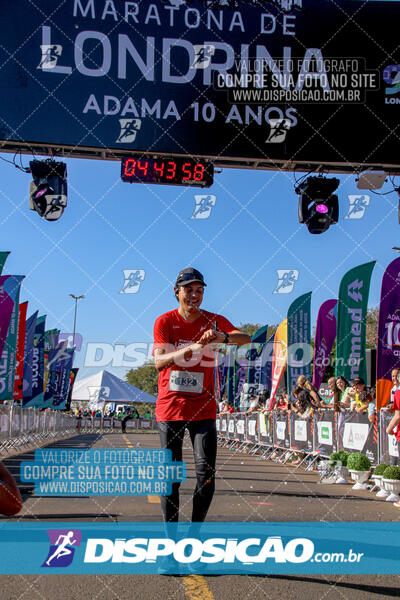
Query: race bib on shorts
point(186, 381)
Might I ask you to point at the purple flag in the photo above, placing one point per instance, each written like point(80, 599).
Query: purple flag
point(9, 289)
point(388, 348)
point(324, 338)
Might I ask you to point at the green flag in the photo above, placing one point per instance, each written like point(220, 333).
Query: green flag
point(3, 258)
point(352, 321)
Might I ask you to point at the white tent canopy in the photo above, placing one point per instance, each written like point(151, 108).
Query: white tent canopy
point(105, 387)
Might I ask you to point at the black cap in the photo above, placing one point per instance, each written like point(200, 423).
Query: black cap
point(189, 275)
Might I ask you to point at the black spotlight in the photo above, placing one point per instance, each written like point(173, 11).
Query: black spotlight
point(318, 206)
point(48, 190)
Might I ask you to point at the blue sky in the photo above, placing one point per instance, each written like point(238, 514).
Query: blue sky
point(109, 226)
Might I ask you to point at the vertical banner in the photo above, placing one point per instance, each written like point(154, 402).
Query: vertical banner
point(55, 365)
point(3, 258)
point(50, 342)
point(37, 396)
point(72, 378)
point(352, 322)
point(28, 357)
point(266, 363)
point(241, 368)
point(230, 376)
point(19, 363)
point(221, 369)
point(279, 360)
point(9, 291)
point(299, 340)
point(258, 340)
point(325, 335)
point(388, 347)
point(8, 359)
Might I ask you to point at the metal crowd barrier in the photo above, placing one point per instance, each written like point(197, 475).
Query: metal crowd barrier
point(25, 426)
point(281, 434)
point(113, 425)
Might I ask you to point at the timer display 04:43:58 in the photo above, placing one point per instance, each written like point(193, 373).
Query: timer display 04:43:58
point(173, 171)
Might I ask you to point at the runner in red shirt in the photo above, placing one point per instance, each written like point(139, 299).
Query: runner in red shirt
point(184, 341)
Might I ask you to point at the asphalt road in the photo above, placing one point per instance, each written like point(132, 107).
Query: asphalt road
point(247, 489)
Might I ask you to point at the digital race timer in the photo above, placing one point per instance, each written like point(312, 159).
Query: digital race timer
point(173, 171)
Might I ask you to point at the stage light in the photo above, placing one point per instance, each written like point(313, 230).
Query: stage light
point(318, 206)
point(48, 188)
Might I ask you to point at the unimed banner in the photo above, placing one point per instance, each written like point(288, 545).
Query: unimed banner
point(325, 334)
point(357, 434)
point(352, 322)
point(152, 77)
point(299, 340)
point(9, 292)
point(388, 348)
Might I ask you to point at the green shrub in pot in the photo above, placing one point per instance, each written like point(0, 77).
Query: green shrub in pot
point(379, 469)
point(392, 472)
point(357, 461)
point(339, 459)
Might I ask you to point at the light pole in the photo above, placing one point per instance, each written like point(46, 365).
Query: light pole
point(76, 298)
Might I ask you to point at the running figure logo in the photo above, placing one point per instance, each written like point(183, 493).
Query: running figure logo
point(132, 280)
point(129, 129)
point(62, 547)
point(203, 55)
point(286, 280)
point(204, 205)
point(357, 206)
point(50, 56)
point(279, 129)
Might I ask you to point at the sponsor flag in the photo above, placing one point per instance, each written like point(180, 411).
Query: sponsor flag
point(279, 360)
point(299, 340)
point(28, 356)
point(72, 378)
point(240, 374)
point(258, 340)
point(19, 363)
point(221, 369)
point(352, 321)
point(50, 342)
point(11, 285)
point(37, 397)
point(3, 258)
point(325, 335)
point(9, 292)
point(230, 375)
point(388, 347)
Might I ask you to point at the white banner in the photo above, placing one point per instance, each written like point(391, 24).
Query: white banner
point(300, 431)
point(280, 430)
point(324, 432)
point(355, 435)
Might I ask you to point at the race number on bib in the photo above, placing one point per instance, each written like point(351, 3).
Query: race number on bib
point(186, 381)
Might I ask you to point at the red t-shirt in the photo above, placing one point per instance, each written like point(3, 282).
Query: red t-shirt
point(396, 406)
point(172, 331)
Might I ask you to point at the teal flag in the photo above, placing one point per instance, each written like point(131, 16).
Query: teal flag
point(299, 340)
point(8, 356)
point(352, 322)
point(3, 258)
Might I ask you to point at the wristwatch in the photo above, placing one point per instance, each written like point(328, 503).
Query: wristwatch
point(226, 340)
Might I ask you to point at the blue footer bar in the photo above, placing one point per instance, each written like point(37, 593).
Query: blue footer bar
point(203, 548)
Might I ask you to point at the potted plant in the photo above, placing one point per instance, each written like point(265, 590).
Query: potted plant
point(359, 467)
point(377, 476)
point(391, 483)
point(338, 461)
